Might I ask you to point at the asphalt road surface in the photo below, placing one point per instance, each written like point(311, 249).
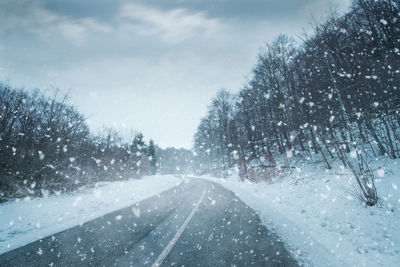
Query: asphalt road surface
point(198, 223)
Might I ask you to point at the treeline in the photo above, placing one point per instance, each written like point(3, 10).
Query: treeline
point(335, 96)
point(46, 146)
point(175, 161)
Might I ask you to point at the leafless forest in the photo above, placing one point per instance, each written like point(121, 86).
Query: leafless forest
point(333, 96)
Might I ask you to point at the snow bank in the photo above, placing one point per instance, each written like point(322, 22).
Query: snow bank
point(316, 214)
point(27, 220)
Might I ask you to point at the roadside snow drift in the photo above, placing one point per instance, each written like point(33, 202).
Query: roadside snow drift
point(26, 220)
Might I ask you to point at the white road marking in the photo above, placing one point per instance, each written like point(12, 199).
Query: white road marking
point(178, 234)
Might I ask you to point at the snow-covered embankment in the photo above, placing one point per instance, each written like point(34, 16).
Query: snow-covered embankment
point(318, 217)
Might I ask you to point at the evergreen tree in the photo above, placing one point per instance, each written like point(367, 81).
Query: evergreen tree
point(151, 153)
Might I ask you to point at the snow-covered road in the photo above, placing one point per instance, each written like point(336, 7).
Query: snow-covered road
point(312, 210)
point(198, 223)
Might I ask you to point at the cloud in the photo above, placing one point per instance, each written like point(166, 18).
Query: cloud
point(295, 24)
point(173, 26)
point(78, 30)
point(31, 17)
point(319, 9)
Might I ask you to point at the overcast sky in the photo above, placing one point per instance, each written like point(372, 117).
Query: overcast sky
point(148, 65)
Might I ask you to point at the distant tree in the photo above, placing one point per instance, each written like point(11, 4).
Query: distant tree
point(151, 153)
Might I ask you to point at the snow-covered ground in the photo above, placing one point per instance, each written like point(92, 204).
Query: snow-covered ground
point(27, 220)
point(316, 214)
point(313, 210)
